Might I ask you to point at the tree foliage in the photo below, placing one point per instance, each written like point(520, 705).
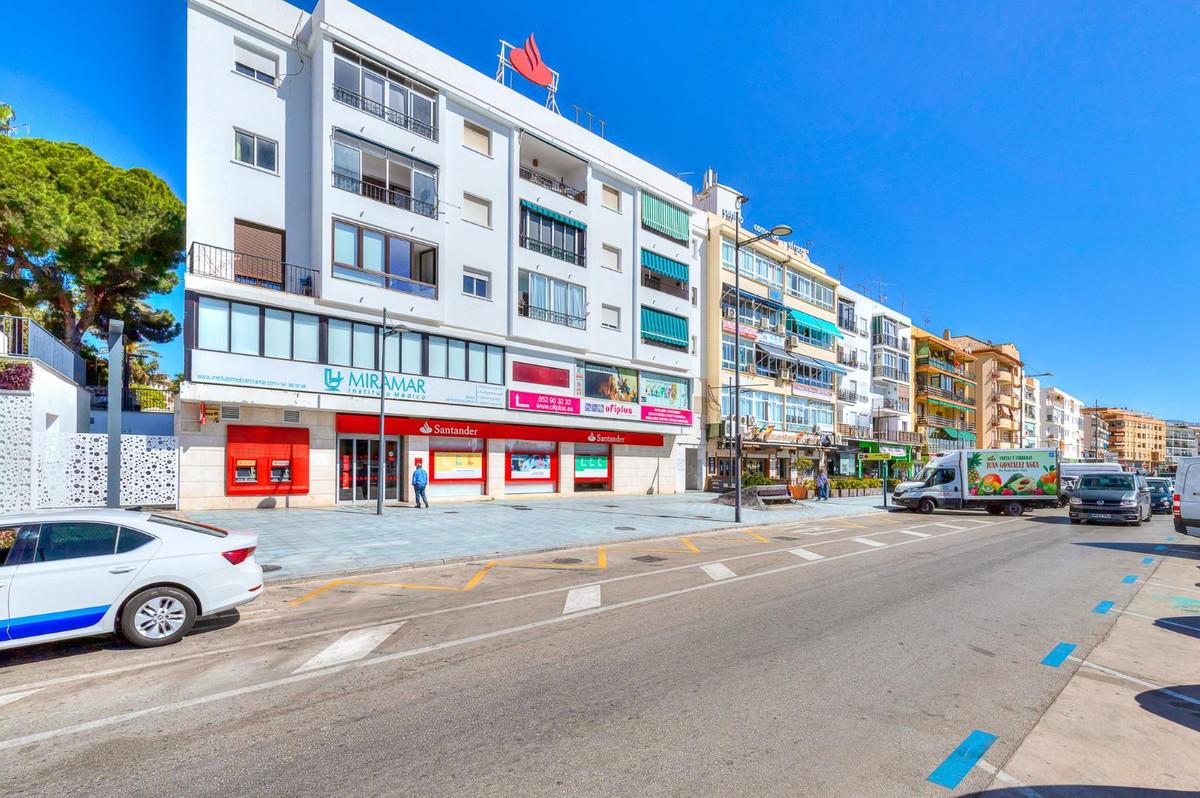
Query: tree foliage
point(83, 241)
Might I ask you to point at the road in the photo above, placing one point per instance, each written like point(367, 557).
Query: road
point(719, 664)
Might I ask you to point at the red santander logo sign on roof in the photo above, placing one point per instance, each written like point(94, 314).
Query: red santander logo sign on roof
point(527, 60)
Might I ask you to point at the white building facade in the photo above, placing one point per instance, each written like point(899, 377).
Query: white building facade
point(365, 213)
point(1062, 424)
point(1031, 415)
point(1183, 440)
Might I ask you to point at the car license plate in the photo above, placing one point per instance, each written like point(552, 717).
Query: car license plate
point(1101, 515)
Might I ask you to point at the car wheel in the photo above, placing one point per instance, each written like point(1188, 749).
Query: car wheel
point(926, 506)
point(158, 616)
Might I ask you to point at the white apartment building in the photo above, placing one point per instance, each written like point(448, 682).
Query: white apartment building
point(1062, 425)
point(875, 396)
point(361, 204)
point(1031, 415)
point(1183, 440)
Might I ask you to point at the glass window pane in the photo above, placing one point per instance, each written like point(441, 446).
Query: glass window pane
point(437, 356)
point(457, 366)
point(213, 322)
point(339, 342)
point(345, 244)
point(399, 257)
point(477, 363)
point(277, 333)
point(243, 146)
point(305, 333)
point(345, 75)
point(266, 154)
point(410, 353)
point(391, 352)
point(495, 365)
point(372, 250)
point(244, 329)
point(422, 110)
point(364, 346)
point(67, 541)
point(373, 90)
point(346, 161)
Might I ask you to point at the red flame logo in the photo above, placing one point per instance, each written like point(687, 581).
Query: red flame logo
point(528, 62)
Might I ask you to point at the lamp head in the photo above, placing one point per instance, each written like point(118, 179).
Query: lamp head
point(781, 230)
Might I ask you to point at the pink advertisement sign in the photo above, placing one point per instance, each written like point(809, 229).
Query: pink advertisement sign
point(543, 402)
point(666, 415)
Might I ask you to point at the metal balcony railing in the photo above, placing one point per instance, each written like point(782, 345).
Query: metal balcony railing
point(376, 108)
point(898, 405)
point(889, 373)
point(388, 196)
point(237, 267)
point(137, 398)
point(555, 252)
point(848, 321)
point(552, 316)
point(944, 365)
point(930, 419)
point(850, 395)
point(666, 285)
point(954, 396)
point(24, 337)
point(893, 341)
point(552, 183)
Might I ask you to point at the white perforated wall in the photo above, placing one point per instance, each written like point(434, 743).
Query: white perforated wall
point(16, 457)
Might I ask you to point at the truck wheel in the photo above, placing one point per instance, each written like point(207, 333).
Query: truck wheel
point(993, 509)
point(1075, 521)
point(1014, 508)
point(926, 506)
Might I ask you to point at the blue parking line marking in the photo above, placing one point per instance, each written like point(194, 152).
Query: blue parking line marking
point(1103, 607)
point(1147, 560)
point(1058, 655)
point(1129, 579)
point(1160, 547)
point(1170, 537)
point(956, 766)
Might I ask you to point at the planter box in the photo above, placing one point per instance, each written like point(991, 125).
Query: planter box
point(798, 491)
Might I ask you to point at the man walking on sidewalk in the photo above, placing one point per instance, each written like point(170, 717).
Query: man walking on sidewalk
point(822, 487)
point(419, 480)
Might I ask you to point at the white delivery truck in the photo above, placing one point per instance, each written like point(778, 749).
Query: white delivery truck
point(1007, 481)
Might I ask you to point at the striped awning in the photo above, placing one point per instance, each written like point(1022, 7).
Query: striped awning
point(951, 405)
point(814, 323)
point(659, 264)
point(665, 328)
point(832, 367)
point(555, 215)
point(664, 218)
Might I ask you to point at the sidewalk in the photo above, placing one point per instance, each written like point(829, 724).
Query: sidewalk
point(310, 542)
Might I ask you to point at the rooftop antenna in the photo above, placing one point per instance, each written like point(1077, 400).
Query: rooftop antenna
point(925, 318)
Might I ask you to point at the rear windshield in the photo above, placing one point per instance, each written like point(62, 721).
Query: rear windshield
point(1106, 482)
point(1159, 484)
point(203, 529)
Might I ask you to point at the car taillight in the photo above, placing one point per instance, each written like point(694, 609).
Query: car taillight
point(1175, 506)
point(238, 556)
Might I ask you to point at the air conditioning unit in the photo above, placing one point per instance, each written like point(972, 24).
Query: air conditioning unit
point(792, 342)
point(231, 413)
point(730, 313)
point(291, 416)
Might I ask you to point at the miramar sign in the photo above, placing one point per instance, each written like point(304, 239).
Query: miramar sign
point(253, 372)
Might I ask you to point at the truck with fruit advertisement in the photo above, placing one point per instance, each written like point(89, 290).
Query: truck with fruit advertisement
point(1008, 481)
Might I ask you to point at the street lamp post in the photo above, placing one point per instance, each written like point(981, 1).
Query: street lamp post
point(738, 243)
point(381, 466)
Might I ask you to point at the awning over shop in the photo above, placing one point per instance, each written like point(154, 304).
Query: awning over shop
point(555, 215)
point(814, 323)
point(951, 405)
point(775, 351)
point(664, 328)
point(659, 264)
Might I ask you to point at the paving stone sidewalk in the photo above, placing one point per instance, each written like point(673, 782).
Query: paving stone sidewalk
point(310, 542)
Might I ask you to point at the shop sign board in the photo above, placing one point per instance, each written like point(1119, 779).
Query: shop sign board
point(610, 392)
point(876, 456)
point(591, 466)
point(770, 338)
point(543, 402)
point(353, 423)
point(257, 372)
point(894, 451)
point(751, 333)
point(458, 465)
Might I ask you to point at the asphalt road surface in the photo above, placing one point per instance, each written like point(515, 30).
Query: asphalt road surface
point(720, 664)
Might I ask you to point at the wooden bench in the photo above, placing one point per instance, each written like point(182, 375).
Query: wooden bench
point(772, 494)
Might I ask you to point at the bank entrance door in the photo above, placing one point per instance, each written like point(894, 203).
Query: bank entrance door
point(358, 469)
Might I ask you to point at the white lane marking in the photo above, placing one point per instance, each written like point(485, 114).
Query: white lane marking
point(582, 598)
point(914, 534)
point(1173, 587)
point(8, 698)
point(1135, 680)
point(112, 720)
point(806, 554)
point(1163, 621)
point(988, 767)
point(717, 571)
point(869, 542)
point(948, 526)
point(350, 647)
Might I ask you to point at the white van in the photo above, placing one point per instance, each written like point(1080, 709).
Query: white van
point(1070, 472)
point(1185, 504)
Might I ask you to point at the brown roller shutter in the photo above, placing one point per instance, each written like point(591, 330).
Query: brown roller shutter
point(260, 253)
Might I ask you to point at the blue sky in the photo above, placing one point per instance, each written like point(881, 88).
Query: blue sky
point(1013, 171)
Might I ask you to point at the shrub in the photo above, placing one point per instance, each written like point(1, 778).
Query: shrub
point(16, 376)
point(751, 479)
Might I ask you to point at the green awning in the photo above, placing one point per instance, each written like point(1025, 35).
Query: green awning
point(658, 264)
point(951, 405)
point(664, 218)
point(665, 328)
point(959, 434)
point(555, 215)
point(814, 323)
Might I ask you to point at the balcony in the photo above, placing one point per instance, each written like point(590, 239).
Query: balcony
point(388, 196)
point(881, 372)
point(1003, 375)
point(390, 115)
point(893, 405)
point(850, 395)
point(847, 321)
point(945, 422)
point(893, 341)
point(1006, 424)
point(895, 436)
point(206, 260)
point(935, 444)
point(942, 393)
point(848, 358)
point(552, 183)
point(941, 364)
point(552, 316)
point(25, 338)
point(854, 432)
point(559, 253)
point(666, 285)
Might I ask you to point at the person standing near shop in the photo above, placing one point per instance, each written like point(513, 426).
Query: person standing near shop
point(420, 479)
point(822, 486)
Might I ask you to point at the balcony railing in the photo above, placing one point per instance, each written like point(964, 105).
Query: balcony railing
point(854, 431)
point(942, 393)
point(554, 184)
point(894, 341)
point(553, 251)
point(847, 357)
point(935, 444)
point(552, 316)
point(848, 321)
point(375, 108)
point(895, 436)
point(666, 285)
point(236, 267)
point(897, 405)
point(22, 337)
point(944, 365)
point(388, 196)
point(850, 395)
point(889, 373)
point(934, 420)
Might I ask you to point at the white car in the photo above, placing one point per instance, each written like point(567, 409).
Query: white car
point(74, 573)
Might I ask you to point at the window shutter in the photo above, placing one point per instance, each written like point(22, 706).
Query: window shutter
point(243, 54)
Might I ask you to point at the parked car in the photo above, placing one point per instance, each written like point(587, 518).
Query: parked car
point(1069, 473)
point(1186, 499)
point(1161, 490)
point(1110, 497)
point(74, 573)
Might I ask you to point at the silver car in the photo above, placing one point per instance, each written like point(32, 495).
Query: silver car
point(1110, 497)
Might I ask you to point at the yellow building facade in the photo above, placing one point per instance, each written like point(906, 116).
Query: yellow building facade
point(946, 392)
point(998, 373)
point(1138, 439)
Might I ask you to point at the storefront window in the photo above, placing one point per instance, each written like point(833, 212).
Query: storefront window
point(532, 466)
point(457, 466)
point(593, 467)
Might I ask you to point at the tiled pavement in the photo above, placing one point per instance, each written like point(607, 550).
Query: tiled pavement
point(308, 542)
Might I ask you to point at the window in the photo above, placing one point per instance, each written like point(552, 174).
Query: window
point(67, 541)
point(463, 360)
point(385, 93)
point(306, 331)
point(669, 221)
point(610, 198)
point(552, 234)
point(339, 342)
point(364, 346)
point(477, 283)
point(212, 322)
point(254, 63)
point(370, 170)
point(610, 317)
point(755, 266)
point(243, 329)
point(610, 258)
point(130, 539)
point(277, 333)
point(390, 261)
point(477, 138)
point(254, 150)
point(547, 299)
point(477, 210)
